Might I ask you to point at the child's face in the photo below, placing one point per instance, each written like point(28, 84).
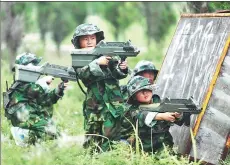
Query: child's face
point(149, 75)
point(144, 96)
point(88, 41)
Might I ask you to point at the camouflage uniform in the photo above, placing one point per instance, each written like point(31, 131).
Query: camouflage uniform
point(141, 66)
point(30, 105)
point(152, 135)
point(103, 104)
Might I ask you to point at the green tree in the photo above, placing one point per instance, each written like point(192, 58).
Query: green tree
point(79, 11)
point(207, 7)
point(65, 17)
point(29, 12)
point(60, 26)
point(216, 6)
point(120, 14)
point(198, 7)
point(12, 27)
point(128, 14)
point(159, 16)
point(43, 15)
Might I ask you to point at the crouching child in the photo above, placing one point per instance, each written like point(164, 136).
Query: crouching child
point(152, 127)
point(29, 106)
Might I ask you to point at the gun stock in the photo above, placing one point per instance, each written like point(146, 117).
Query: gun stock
point(82, 57)
point(32, 73)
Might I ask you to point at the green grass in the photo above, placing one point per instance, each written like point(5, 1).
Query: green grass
point(50, 153)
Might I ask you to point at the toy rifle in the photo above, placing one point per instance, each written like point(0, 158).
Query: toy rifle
point(32, 73)
point(82, 57)
point(173, 105)
point(185, 106)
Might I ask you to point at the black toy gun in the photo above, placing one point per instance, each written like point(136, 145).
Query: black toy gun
point(32, 73)
point(82, 57)
point(185, 106)
point(173, 105)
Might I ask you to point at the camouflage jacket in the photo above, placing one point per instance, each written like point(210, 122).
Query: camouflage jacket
point(124, 92)
point(134, 115)
point(33, 95)
point(152, 136)
point(103, 86)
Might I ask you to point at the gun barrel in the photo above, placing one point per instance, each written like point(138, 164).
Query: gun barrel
point(194, 110)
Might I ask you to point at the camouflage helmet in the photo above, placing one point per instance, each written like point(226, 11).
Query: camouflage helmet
point(144, 65)
point(136, 84)
point(26, 58)
point(86, 29)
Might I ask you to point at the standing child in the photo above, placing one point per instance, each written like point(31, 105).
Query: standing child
point(153, 127)
point(103, 104)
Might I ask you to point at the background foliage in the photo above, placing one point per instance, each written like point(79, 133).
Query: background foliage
point(46, 28)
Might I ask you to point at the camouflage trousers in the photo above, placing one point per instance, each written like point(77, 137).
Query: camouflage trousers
point(101, 131)
point(154, 142)
point(26, 117)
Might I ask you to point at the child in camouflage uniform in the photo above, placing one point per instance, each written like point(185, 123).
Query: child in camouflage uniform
point(30, 106)
point(146, 69)
point(153, 127)
point(103, 105)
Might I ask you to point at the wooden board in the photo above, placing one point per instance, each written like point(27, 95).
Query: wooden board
point(189, 67)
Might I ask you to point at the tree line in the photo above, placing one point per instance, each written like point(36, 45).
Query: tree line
point(61, 18)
